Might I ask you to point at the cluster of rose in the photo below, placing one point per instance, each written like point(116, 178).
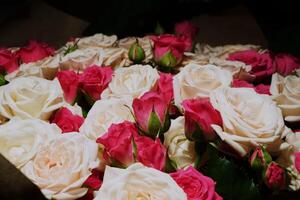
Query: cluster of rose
point(158, 117)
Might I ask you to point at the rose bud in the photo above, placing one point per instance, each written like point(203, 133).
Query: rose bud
point(169, 49)
point(67, 121)
point(94, 80)
point(150, 152)
point(69, 81)
point(118, 144)
point(199, 115)
point(9, 61)
point(136, 53)
point(151, 114)
point(35, 51)
point(260, 158)
point(285, 64)
point(275, 176)
point(187, 29)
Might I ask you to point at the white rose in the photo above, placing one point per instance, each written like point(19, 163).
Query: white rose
point(287, 159)
point(131, 82)
point(192, 58)
point(180, 149)
point(20, 140)
point(114, 57)
point(60, 168)
point(97, 40)
point(30, 97)
point(198, 81)
point(103, 114)
point(45, 68)
point(222, 52)
point(80, 59)
point(138, 182)
point(286, 93)
point(238, 69)
point(249, 120)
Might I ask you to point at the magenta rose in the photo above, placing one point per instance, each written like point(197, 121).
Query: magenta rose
point(196, 185)
point(285, 64)
point(67, 121)
point(9, 61)
point(275, 177)
point(169, 49)
point(69, 81)
point(151, 113)
point(118, 144)
point(187, 29)
point(199, 115)
point(297, 161)
point(262, 63)
point(94, 80)
point(151, 153)
point(35, 51)
point(260, 89)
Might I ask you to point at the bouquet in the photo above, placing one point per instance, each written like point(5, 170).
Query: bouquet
point(158, 117)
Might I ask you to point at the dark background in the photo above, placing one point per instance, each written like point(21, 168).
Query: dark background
point(273, 24)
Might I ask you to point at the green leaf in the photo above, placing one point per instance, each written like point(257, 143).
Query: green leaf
point(232, 180)
point(2, 80)
point(159, 30)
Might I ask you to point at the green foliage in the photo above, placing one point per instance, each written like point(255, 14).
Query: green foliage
point(232, 180)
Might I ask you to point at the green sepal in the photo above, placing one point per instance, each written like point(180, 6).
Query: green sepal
point(154, 125)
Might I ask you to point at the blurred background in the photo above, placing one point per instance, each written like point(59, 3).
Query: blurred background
point(275, 24)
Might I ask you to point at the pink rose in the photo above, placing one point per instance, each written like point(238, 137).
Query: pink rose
point(117, 142)
point(262, 63)
point(275, 177)
point(94, 80)
point(9, 61)
point(69, 81)
point(196, 185)
point(151, 153)
point(94, 181)
point(187, 29)
point(35, 51)
point(297, 161)
point(260, 89)
point(165, 86)
point(67, 121)
point(199, 115)
point(285, 64)
point(169, 49)
point(151, 113)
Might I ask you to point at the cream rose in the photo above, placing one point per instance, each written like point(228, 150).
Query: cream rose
point(138, 182)
point(287, 159)
point(97, 40)
point(60, 168)
point(238, 69)
point(45, 68)
point(222, 52)
point(114, 57)
point(131, 82)
point(286, 92)
point(30, 97)
point(198, 81)
point(20, 140)
point(103, 114)
point(80, 59)
point(180, 149)
point(249, 120)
